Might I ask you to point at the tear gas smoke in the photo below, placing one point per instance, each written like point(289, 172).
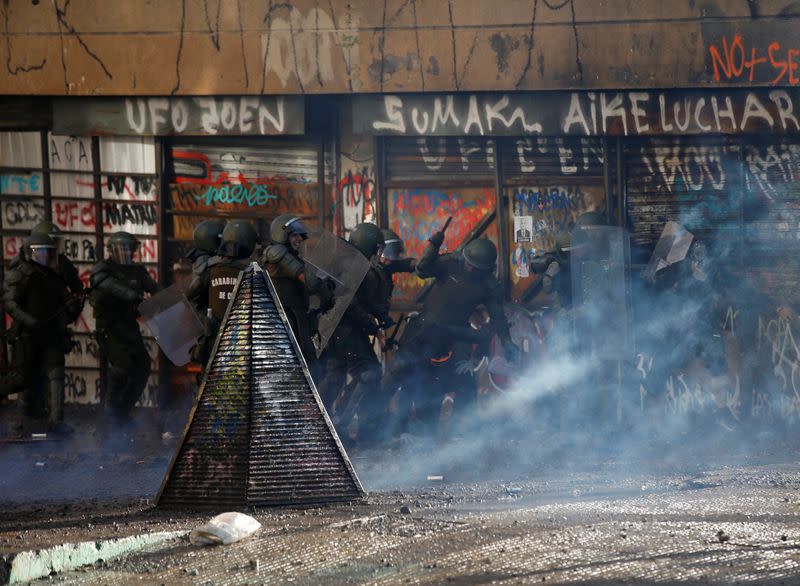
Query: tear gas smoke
point(712, 373)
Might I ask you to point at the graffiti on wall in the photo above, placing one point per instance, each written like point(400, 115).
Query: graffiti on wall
point(735, 59)
point(240, 181)
point(357, 197)
point(415, 214)
point(639, 113)
point(129, 202)
point(246, 115)
point(552, 209)
point(761, 379)
point(300, 47)
point(355, 194)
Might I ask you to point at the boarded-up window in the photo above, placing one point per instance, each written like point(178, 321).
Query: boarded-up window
point(430, 180)
point(119, 188)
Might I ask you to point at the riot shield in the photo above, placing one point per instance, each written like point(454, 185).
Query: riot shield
point(173, 322)
point(333, 257)
point(672, 247)
point(598, 259)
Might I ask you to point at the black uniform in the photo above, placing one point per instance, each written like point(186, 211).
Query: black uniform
point(117, 291)
point(350, 350)
point(387, 273)
point(376, 293)
point(285, 269)
point(42, 306)
point(210, 291)
point(430, 339)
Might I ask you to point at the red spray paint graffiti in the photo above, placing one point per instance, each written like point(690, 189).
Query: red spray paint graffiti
point(737, 61)
point(357, 197)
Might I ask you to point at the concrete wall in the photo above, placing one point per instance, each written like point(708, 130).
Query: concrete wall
point(207, 47)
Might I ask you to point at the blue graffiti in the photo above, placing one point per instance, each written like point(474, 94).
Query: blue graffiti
point(537, 202)
point(252, 195)
point(22, 184)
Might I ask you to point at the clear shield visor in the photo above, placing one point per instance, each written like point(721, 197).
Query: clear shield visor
point(394, 250)
point(122, 253)
point(296, 226)
point(60, 244)
point(46, 256)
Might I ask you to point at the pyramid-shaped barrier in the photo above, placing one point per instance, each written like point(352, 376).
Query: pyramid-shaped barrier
point(258, 433)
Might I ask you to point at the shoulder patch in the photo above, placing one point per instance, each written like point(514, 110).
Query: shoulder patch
point(275, 252)
point(200, 265)
point(215, 260)
point(99, 273)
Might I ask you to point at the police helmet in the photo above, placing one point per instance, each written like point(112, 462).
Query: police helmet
point(122, 246)
point(42, 249)
point(48, 228)
point(367, 238)
point(207, 235)
point(481, 254)
point(284, 226)
point(393, 248)
point(239, 239)
point(595, 218)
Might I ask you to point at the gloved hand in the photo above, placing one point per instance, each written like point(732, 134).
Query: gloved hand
point(465, 367)
point(387, 344)
point(552, 269)
point(437, 239)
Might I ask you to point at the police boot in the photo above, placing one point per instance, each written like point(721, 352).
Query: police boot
point(55, 403)
point(366, 404)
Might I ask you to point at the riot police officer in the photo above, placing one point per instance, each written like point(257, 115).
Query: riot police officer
point(392, 261)
point(118, 287)
point(64, 266)
point(294, 283)
point(18, 272)
point(211, 290)
point(350, 351)
point(206, 237)
point(42, 307)
point(463, 282)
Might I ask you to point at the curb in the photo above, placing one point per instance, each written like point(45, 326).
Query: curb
point(25, 566)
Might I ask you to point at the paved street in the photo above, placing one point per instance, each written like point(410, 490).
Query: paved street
point(714, 523)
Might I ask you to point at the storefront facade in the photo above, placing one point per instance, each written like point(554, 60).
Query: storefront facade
point(513, 122)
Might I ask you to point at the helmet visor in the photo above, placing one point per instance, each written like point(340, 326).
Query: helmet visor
point(45, 256)
point(394, 249)
point(60, 244)
point(296, 226)
point(122, 253)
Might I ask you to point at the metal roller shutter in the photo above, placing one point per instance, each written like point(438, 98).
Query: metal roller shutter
point(254, 180)
point(693, 181)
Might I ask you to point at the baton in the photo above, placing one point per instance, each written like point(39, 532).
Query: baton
point(446, 224)
point(391, 338)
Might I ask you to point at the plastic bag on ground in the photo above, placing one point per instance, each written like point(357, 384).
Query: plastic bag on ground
point(225, 529)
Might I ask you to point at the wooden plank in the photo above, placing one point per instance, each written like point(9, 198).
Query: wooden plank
point(196, 48)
